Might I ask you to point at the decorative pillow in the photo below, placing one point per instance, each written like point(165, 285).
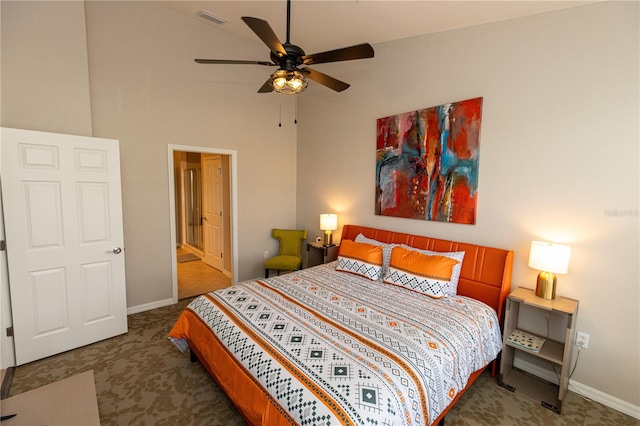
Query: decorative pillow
point(386, 250)
point(426, 274)
point(360, 259)
point(455, 255)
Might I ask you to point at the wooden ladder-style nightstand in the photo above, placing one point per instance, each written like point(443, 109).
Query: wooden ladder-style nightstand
point(557, 352)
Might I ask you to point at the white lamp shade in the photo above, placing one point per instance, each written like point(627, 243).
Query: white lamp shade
point(328, 222)
point(549, 257)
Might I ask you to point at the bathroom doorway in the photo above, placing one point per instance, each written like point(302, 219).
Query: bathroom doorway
point(203, 231)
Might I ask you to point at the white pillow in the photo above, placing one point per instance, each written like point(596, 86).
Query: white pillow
point(386, 250)
point(456, 255)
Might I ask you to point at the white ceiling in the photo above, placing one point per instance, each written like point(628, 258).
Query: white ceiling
point(320, 25)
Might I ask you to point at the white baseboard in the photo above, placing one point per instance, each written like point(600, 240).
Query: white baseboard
point(583, 390)
point(149, 306)
point(605, 399)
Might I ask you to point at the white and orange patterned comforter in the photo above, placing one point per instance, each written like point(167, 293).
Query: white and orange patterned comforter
point(335, 348)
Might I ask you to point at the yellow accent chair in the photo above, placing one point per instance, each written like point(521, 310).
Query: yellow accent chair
point(289, 258)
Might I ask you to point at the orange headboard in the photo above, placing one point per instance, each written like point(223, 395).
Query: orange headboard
point(485, 273)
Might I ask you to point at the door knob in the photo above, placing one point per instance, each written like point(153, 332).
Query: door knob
point(116, 250)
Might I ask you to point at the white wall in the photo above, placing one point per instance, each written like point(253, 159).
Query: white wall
point(148, 92)
point(45, 44)
point(559, 147)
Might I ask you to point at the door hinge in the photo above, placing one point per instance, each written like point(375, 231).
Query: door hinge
point(10, 331)
point(3, 245)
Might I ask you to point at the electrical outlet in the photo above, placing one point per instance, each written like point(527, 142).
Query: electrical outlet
point(266, 254)
point(582, 340)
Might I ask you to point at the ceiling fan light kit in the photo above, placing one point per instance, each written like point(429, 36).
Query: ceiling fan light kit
point(289, 79)
point(288, 82)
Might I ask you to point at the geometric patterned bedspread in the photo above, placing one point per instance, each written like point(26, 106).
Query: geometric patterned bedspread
point(335, 348)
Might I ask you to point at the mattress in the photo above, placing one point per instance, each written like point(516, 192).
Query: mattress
point(331, 347)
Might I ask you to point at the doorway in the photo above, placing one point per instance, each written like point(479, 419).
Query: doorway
point(203, 219)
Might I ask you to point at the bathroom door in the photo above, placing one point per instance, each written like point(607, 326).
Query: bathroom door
point(212, 208)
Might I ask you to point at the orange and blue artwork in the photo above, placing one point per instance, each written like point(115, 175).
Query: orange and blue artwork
point(427, 163)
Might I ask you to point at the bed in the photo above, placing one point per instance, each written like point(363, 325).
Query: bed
point(333, 345)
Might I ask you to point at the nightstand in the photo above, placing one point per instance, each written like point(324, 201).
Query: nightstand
point(551, 359)
point(318, 254)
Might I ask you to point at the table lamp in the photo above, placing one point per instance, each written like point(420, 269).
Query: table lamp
point(551, 259)
point(328, 223)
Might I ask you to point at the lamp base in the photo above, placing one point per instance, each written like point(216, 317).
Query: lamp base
point(327, 238)
point(546, 286)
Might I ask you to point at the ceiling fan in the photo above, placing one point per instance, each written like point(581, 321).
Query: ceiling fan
point(290, 78)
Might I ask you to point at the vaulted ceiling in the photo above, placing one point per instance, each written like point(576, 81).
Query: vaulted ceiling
point(321, 25)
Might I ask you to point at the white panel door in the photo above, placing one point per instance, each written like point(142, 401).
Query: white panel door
point(212, 210)
point(63, 218)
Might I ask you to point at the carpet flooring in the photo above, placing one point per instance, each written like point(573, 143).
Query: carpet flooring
point(142, 379)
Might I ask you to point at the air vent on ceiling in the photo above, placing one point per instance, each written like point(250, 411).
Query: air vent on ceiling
point(211, 17)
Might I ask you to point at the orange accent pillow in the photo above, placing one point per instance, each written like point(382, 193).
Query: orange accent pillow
point(360, 259)
point(426, 274)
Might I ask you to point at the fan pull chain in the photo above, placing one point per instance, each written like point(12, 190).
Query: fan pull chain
point(295, 120)
point(280, 118)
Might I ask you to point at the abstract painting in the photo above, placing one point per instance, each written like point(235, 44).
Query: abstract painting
point(427, 163)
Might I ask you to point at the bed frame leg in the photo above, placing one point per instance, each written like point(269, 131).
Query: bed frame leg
point(441, 422)
point(192, 356)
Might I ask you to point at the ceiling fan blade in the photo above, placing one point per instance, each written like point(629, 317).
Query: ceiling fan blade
point(266, 34)
point(266, 88)
point(231, 61)
point(325, 80)
point(360, 51)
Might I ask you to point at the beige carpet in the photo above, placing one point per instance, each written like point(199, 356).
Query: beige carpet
point(142, 379)
point(68, 402)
